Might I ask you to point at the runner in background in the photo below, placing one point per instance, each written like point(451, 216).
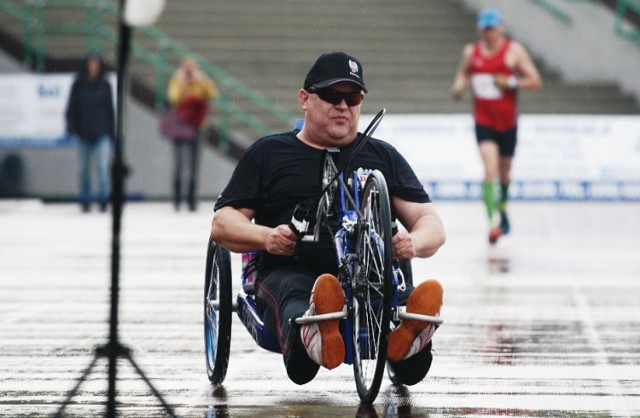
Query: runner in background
point(495, 67)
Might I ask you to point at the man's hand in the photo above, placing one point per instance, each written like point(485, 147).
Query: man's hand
point(281, 241)
point(403, 246)
point(456, 90)
point(505, 82)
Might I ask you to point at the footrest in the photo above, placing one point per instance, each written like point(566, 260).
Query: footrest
point(402, 314)
point(303, 320)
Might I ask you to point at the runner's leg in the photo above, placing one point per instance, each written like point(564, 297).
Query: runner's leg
point(489, 153)
point(508, 142)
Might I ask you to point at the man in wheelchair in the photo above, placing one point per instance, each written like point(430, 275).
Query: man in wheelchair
point(298, 278)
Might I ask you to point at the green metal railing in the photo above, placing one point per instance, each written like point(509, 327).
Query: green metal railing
point(554, 10)
point(37, 26)
point(621, 26)
point(237, 105)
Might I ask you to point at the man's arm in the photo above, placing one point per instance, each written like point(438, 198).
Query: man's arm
point(524, 68)
point(461, 79)
point(424, 233)
point(234, 229)
point(209, 86)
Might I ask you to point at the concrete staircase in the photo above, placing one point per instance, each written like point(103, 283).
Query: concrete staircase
point(66, 43)
point(404, 47)
point(409, 51)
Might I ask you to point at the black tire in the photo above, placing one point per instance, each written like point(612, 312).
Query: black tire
point(393, 376)
point(218, 311)
point(372, 287)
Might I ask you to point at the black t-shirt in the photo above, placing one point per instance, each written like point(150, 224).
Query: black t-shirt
point(279, 171)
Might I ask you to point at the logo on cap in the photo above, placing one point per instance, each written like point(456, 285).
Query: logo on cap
point(353, 66)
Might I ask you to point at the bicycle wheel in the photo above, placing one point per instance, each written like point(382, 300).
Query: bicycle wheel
point(217, 311)
point(372, 287)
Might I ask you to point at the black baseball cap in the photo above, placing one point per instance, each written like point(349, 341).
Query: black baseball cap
point(334, 67)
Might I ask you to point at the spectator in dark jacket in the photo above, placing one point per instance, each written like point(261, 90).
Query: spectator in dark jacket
point(91, 122)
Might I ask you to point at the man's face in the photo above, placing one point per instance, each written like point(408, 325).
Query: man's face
point(189, 67)
point(328, 124)
point(491, 34)
point(93, 67)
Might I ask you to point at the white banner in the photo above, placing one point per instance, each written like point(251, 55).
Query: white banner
point(32, 109)
point(575, 157)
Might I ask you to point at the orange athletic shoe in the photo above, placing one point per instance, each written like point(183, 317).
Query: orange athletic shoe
point(494, 234)
point(322, 339)
point(412, 335)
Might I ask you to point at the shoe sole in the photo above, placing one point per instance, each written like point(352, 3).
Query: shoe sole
point(426, 299)
point(324, 298)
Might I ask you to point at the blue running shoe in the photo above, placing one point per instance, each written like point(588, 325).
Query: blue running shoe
point(505, 227)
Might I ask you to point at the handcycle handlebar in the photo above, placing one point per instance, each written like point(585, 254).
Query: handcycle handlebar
point(301, 219)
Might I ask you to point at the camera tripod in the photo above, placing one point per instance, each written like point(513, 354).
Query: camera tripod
point(113, 349)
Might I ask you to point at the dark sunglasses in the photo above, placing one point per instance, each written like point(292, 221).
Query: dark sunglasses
point(353, 98)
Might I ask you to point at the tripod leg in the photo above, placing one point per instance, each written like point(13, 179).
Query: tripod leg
point(148, 382)
point(77, 386)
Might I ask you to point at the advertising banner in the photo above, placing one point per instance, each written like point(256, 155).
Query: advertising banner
point(558, 157)
point(32, 109)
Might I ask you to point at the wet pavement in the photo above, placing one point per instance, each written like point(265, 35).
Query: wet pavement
point(546, 323)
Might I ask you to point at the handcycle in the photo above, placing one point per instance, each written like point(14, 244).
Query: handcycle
point(356, 209)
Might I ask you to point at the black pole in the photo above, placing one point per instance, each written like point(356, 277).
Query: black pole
point(119, 171)
point(118, 174)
